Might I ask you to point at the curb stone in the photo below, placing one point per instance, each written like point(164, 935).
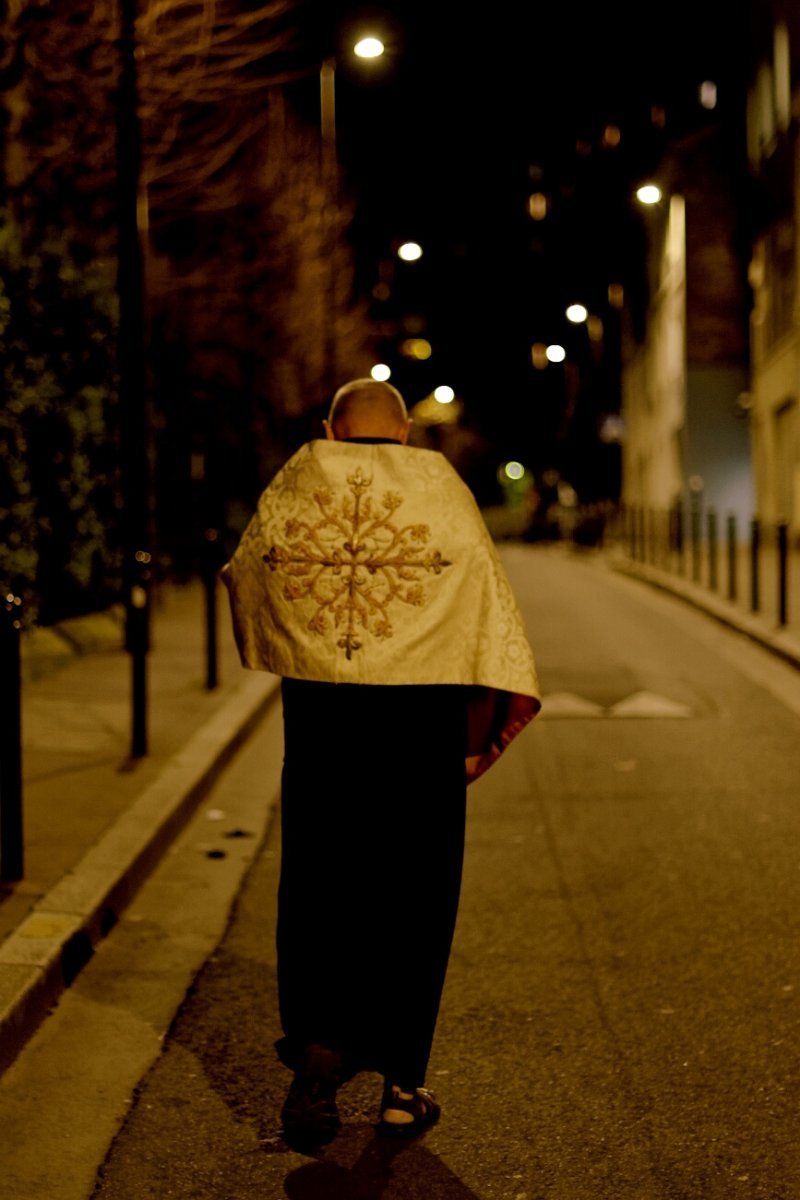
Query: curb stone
point(40, 959)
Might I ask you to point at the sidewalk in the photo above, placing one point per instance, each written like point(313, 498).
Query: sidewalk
point(760, 627)
point(95, 823)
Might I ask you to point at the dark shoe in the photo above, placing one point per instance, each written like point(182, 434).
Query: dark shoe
point(422, 1108)
point(309, 1114)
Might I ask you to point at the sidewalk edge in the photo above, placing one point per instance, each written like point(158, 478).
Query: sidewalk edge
point(778, 643)
point(42, 957)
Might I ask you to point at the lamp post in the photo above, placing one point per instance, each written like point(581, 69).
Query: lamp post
point(135, 469)
point(367, 47)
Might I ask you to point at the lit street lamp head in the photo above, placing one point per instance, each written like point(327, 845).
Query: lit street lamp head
point(368, 47)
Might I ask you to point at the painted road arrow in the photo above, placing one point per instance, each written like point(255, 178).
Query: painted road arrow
point(560, 705)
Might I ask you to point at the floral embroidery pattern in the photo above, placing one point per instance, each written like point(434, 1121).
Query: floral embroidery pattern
point(354, 562)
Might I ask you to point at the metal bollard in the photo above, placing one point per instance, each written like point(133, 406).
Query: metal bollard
point(783, 555)
point(755, 564)
point(732, 571)
point(137, 643)
point(210, 565)
point(695, 518)
point(712, 548)
point(11, 836)
point(679, 538)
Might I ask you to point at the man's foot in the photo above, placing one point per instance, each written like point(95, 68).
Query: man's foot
point(407, 1114)
point(309, 1114)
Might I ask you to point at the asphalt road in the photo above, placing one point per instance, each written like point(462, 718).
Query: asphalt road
point(621, 1014)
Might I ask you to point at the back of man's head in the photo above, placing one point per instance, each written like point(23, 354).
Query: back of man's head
point(367, 408)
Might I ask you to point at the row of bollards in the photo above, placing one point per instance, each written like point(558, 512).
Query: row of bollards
point(137, 645)
point(659, 539)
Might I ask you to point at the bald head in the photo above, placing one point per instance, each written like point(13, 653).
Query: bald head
point(367, 408)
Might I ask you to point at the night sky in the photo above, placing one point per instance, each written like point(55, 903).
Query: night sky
point(445, 138)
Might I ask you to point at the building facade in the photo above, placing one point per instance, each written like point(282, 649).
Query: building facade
point(685, 379)
point(773, 111)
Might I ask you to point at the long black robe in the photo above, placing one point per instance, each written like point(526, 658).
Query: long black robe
point(373, 811)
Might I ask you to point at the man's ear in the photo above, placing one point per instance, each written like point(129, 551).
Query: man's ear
point(406, 429)
point(329, 434)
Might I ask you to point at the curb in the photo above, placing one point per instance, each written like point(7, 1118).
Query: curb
point(781, 644)
point(42, 957)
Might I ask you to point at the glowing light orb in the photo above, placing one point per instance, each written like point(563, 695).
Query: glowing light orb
point(648, 193)
point(369, 47)
point(410, 251)
point(577, 313)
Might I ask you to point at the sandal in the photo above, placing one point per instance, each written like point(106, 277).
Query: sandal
point(309, 1115)
point(422, 1108)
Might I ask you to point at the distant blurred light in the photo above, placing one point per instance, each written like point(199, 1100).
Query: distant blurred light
point(577, 314)
point(658, 116)
point(556, 354)
point(539, 355)
point(708, 94)
point(616, 295)
point(381, 291)
point(755, 272)
point(381, 372)
point(612, 135)
point(594, 327)
point(444, 394)
point(567, 496)
point(369, 47)
point(410, 251)
point(537, 206)
point(514, 470)
point(583, 147)
point(417, 348)
point(535, 172)
point(648, 193)
point(612, 429)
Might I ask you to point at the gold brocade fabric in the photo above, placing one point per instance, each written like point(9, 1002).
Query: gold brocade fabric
point(370, 563)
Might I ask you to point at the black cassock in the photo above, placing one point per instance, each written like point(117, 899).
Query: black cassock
point(373, 811)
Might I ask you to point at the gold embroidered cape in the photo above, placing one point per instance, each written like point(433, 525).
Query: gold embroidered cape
point(371, 563)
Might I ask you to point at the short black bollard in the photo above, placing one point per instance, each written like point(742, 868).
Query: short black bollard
point(695, 517)
point(711, 519)
point(11, 838)
point(733, 590)
point(137, 643)
point(755, 564)
point(783, 556)
point(679, 538)
point(210, 568)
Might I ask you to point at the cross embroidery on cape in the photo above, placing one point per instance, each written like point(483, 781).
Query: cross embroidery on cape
point(354, 562)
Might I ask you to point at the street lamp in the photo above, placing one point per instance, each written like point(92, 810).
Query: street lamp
point(577, 313)
point(649, 193)
point(366, 48)
point(410, 251)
